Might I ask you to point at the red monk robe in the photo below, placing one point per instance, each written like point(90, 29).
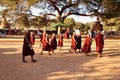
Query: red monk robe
point(45, 44)
point(29, 40)
point(87, 45)
point(60, 41)
point(73, 43)
point(53, 43)
point(67, 34)
point(32, 38)
point(99, 43)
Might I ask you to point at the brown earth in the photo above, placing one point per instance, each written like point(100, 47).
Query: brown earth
point(60, 66)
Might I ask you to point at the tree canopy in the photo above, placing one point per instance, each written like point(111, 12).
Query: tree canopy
point(61, 9)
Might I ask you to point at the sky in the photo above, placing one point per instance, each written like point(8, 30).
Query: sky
point(82, 19)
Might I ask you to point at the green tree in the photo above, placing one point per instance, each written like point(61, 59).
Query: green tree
point(113, 24)
point(22, 22)
point(59, 26)
point(82, 26)
point(70, 22)
point(39, 21)
point(17, 9)
point(61, 9)
point(111, 8)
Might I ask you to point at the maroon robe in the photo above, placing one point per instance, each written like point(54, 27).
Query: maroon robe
point(78, 40)
point(60, 42)
point(45, 43)
point(53, 43)
point(87, 45)
point(66, 34)
point(99, 43)
point(27, 45)
point(32, 40)
point(73, 43)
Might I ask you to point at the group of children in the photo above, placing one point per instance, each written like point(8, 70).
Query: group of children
point(50, 43)
point(99, 40)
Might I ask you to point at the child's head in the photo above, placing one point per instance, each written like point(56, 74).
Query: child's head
point(53, 34)
point(98, 32)
point(32, 33)
point(88, 34)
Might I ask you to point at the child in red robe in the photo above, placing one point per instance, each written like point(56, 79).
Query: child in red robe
point(32, 38)
point(29, 41)
point(87, 45)
point(66, 36)
point(73, 43)
point(99, 39)
point(60, 41)
point(45, 44)
point(53, 42)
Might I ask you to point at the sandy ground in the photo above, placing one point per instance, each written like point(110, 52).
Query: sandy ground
point(60, 66)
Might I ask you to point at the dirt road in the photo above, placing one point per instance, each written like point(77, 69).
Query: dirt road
point(60, 66)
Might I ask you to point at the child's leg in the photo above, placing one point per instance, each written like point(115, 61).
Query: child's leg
point(32, 59)
point(41, 52)
point(23, 59)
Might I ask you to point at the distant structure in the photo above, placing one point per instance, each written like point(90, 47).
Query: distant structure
point(97, 26)
point(4, 24)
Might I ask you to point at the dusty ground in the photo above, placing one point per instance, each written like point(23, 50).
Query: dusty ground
point(60, 66)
